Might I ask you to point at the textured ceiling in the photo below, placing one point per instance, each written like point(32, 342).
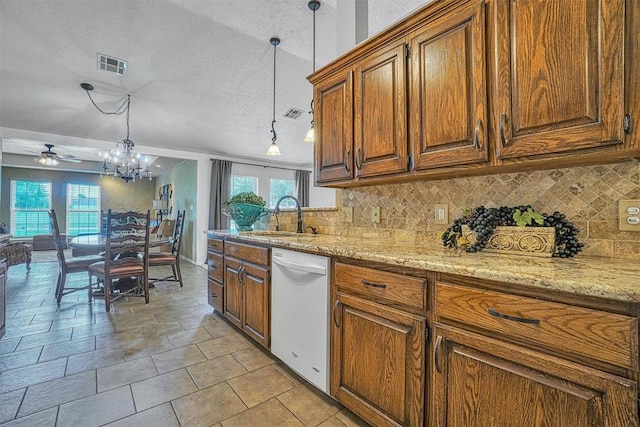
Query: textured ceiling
point(199, 71)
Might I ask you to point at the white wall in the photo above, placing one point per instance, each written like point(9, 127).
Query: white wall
point(383, 13)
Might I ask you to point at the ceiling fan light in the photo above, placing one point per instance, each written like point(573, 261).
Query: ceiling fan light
point(311, 137)
point(273, 150)
point(47, 161)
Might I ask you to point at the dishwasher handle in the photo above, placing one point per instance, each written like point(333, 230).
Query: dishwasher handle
point(300, 267)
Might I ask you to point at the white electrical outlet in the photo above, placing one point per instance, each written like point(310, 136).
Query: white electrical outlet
point(375, 215)
point(347, 214)
point(629, 215)
point(442, 214)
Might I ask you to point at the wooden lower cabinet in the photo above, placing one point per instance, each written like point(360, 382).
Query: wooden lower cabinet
point(377, 361)
point(3, 293)
point(481, 381)
point(247, 291)
point(215, 275)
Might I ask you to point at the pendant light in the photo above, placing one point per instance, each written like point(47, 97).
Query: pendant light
point(313, 5)
point(273, 148)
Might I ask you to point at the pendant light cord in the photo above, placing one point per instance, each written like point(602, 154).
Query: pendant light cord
point(124, 107)
point(273, 130)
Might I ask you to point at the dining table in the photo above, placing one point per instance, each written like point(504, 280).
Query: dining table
point(95, 243)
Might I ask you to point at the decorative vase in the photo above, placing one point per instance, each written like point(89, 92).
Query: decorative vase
point(536, 241)
point(244, 214)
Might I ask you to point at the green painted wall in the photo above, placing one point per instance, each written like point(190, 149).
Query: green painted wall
point(183, 178)
point(116, 194)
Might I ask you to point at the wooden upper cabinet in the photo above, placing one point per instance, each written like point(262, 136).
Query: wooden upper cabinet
point(448, 97)
point(333, 128)
point(559, 75)
point(380, 128)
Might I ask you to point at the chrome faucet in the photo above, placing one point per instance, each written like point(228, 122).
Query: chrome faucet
point(277, 210)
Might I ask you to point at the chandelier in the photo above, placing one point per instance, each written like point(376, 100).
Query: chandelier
point(121, 162)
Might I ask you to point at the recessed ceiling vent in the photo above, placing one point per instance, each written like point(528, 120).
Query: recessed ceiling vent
point(114, 65)
point(293, 113)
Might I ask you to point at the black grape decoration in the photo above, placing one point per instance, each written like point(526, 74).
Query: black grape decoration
point(483, 221)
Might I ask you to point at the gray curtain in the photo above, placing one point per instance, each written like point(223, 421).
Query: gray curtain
point(220, 188)
point(302, 187)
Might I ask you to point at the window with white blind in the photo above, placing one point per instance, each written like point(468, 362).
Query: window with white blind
point(83, 209)
point(279, 188)
point(30, 201)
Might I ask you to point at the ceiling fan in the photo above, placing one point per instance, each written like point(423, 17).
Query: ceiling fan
point(50, 158)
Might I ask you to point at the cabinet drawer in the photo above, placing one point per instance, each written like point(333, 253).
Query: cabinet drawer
point(603, 336)
point(249, 253)
point(215, 266)
point(216, 295)
point(215, 245)
point(393, 287)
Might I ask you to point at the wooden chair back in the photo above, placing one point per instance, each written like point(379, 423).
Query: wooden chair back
point(127, 239)
point(57, 238)
point(178, 228)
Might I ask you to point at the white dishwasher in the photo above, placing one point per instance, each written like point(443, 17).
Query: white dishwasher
point(300, 314)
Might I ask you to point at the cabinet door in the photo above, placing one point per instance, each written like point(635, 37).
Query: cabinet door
point(559, 75)
point(448, 95)
point(256, 320)
point(333, 128)
point(480, 381)
point(377, 362)
point(380, 128)
point(233, 291)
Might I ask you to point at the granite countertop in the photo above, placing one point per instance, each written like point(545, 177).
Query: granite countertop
point(601, 277)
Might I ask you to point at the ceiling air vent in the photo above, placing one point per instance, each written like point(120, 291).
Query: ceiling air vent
point(114, 65)
point(293, 113)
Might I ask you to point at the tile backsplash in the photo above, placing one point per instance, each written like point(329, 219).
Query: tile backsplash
point(587, 195)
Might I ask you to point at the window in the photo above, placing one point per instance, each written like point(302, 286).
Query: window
point(243, 183)
point(279, 188)
point(83, 209)
point(30, 201)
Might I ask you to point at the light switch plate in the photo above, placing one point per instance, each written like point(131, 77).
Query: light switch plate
point(442, 213)
point(375, 215)
point(629, 215)
point(347, 214)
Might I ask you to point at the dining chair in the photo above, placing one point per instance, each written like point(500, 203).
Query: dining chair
point(125, 268)
point(66, 265)
point(171, 258)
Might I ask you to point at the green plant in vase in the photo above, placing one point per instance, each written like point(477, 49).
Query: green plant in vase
point(245, 209)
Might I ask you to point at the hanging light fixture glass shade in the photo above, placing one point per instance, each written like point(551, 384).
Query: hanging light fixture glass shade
point(274, 150)
point(123, 161)
point(47, 161)
point(311, 136)
point(313, 5)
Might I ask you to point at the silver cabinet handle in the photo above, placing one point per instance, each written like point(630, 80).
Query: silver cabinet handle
point(359, 159)
point(335, 309)
point(436, 354)
point(346, 160)
point(476, 132)
point(495, 313)
point(503, 125)
point(374, 285)
point(241, 271)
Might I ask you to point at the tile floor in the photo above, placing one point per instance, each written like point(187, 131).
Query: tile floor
point(169, 363)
